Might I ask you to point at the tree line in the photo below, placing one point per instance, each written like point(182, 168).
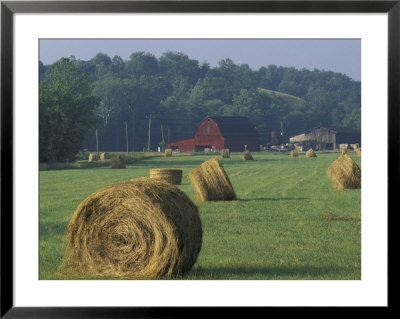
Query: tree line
point(111, 95)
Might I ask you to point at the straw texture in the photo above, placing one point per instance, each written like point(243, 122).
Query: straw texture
point(345, 173)
point(211, 183)
point(171, 175)
point(138, 229)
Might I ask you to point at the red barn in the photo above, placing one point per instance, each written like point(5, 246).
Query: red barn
point(218, 132)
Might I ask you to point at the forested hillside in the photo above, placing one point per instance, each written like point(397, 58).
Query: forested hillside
point(178, 92)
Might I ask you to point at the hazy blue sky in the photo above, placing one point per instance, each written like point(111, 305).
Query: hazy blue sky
point(338, 55)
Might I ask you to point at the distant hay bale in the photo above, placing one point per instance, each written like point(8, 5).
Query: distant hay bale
point(171, 175)
point(294, 153)
point(311, 153)
point(358, 152)
point(168, 152)
point(211, 183)
point(346, 151)
point(345, 173)
point(226, 153)
point(104, 156)
point(299, 148)
point(246, 155)
point(138, 229)
point(93, 157)
point(117, 162)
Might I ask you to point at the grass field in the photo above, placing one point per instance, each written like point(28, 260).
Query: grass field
point(288, 223)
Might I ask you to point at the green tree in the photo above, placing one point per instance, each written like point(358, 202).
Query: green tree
point(142, 63)
point(353, 120)
point(175, 64)
point(66, 112)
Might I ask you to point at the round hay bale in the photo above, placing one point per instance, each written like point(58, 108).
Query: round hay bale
point(138, 229)
point(358, 152)
point(104, 156)
point(117, 162)
point(168, 152)
point(210, 181)
point(294, 153)
point(346, 151)
point(246, 155)
point(171, 175)
point(345, 173)
point(311, 153)
point(226, 153)
point(93, 157)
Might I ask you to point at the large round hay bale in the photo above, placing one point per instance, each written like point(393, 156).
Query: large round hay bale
point(345, 173)
point(93, 157)
point(246, 155)
point(171, 175)
point(142, 228)
point(104, 156)
point(294, 153)
point(168, 152)
point(210, 181)
point(311, 153)
point(226, 153)
point(118, 162)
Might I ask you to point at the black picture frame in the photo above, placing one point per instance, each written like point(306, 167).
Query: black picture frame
point(9, 8)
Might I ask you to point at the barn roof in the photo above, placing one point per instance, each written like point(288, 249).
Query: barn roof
point(235, 127)
point(336, 129)
point(342, 129)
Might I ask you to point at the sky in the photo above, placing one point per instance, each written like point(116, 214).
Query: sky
point(337, 55)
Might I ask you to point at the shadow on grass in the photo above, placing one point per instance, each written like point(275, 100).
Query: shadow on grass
point(271, 199)
point(197, 160)
point(170, 164)
point(270, 272)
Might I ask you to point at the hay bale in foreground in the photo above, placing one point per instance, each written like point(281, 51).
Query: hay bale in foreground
point(311, 153)
point(117, 162)
point(226, 153)
point(93, 157)
point(345, 173)
point(294, 153)
point(142, 228)
point(168, 152)
point(171, 175)
point(211, 183)
point(104, 156)
point(246, 155)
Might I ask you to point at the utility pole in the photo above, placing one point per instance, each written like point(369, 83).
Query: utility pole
point(148, 143)
point(126, 137)
point(162, 133)
point(168, 136)
point(97, 142)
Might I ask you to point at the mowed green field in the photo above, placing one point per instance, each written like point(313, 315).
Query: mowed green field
point(288, 223)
